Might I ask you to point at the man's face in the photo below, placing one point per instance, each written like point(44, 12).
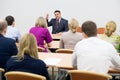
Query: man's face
point(57, 15)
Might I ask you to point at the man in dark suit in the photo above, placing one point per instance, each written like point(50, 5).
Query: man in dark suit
point(58, 23)
point(7, 45)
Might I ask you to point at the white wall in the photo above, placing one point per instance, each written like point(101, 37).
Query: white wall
point(27, 11)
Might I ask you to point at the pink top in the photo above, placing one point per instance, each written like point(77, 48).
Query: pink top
point(41, 34)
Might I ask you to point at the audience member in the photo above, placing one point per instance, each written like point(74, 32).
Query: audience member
point(111, 36)
point(94, 54)
point(69, 39)
point(12, 31)
point(41, 33)
point(27, 58)
point(7, 45)
point(58, 23)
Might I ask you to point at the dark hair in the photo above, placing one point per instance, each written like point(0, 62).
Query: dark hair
point(89, 28)
point(3, 25)
point(57, 11)
point(10, 20)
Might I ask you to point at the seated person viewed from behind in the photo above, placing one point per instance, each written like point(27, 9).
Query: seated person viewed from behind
point(111, 36)
point(12, 31)
point(58, 23)
point(69, 39)
point(27, 58)
point(42, 34)
point(94, 54)
point(7, 45)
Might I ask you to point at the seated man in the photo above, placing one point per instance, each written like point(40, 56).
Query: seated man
point(94, 54)
point(7, 45)
point(12, 31)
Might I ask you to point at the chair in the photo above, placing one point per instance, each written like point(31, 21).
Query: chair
point(100, 30)
point(88, 75)
point(40, 49)
point(1, 71)
point(63, 71)
point(69, 51)
point(78, 29)
point(17, 75)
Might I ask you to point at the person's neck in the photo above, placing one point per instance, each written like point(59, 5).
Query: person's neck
point(2, 33)
point(90, 36)
point(11, 25)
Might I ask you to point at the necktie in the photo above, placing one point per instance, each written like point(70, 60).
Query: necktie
point(57, 22)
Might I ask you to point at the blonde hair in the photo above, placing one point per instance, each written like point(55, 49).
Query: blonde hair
point(41, 22)
point(28, 46)
point(73, 25)
point(110, 28)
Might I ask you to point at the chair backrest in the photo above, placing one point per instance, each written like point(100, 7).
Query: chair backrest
point(40, 49)
point(17, 75)
point(69, 51)
point(1, 71)
point(101, 30)
point(88, 75)
point(78, 29)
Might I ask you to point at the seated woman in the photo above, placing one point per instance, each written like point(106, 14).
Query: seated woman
point(69, 39)
point(42, 34)
point(27, 58)
point(110, 35)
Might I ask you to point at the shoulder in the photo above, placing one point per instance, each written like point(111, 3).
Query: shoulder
point(64, 34)
point(40, 62)
point(16, 29)
point(32, 28)
point(44, 29)
point(9, 40)
point(12, 59)
point(78, 33)
point(64, 19)
point(53, 19)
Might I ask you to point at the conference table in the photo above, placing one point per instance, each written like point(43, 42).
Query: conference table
point(58, 60)
point(56, 37)
point(62, 60)
point(55, 46)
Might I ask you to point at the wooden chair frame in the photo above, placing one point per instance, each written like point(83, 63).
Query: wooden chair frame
point(68, 51)
point(17, 75)
point(88, 75)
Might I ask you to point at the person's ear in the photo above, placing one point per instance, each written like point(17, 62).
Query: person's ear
point(13, 24)
point(4, 31)
point(84, 35)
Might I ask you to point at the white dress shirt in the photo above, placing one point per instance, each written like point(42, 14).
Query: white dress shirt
point(13, 32)
point(94, 54)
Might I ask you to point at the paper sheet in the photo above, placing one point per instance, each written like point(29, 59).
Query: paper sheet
point(52, 61)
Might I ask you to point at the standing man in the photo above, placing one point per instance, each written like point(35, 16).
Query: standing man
point(58, 23)
point(94, 54)
point(7, 46)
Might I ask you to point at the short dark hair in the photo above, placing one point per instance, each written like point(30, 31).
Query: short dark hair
point(57, 11)
point(10, 20)
point(3, 25)
point(89, 28)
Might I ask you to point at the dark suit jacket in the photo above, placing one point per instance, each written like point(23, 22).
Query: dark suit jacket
point(63, 25)
point(28, 64)
point(7, 49)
